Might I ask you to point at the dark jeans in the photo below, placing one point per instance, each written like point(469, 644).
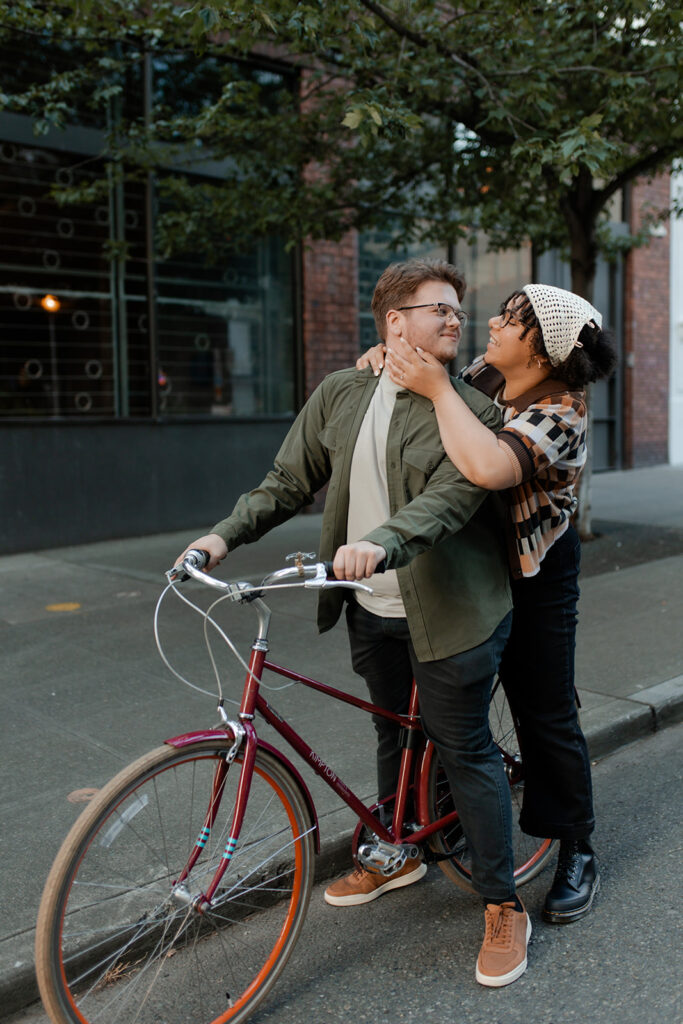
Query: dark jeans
point(537, 671)
point(454, 696)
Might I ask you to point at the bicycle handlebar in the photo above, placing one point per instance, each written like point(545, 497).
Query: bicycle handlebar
point(319, 576)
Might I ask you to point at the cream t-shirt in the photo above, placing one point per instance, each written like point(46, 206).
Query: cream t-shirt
point(369, 496)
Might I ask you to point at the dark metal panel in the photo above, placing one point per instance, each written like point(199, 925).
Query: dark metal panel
point(74, 483)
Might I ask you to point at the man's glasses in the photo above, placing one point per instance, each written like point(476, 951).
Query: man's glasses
point(443, 310)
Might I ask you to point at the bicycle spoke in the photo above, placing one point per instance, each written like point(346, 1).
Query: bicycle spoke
point(131, 947)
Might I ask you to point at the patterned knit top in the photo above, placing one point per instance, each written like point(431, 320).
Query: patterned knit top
point(544, 431)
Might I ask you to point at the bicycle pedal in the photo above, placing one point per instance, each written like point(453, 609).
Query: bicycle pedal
point(382, 858)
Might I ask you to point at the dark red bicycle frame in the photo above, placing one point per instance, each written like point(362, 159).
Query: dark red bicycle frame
point(253, 702)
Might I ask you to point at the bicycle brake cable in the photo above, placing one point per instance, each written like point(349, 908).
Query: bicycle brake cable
point(206, 615)
point(162, 655)
point(234, 650)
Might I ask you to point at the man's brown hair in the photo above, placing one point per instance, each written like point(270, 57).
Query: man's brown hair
point(400, 281)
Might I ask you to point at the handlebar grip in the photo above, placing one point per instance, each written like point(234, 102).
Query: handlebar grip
point(197, 558)
point(381, 567)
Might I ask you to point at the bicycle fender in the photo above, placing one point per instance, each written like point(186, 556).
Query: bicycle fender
point(188, 738)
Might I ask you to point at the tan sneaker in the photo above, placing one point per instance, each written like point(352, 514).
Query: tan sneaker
point(364, 886)
point(502, 958)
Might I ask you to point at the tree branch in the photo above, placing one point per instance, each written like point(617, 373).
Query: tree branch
point(647, 163)
point(401, 30)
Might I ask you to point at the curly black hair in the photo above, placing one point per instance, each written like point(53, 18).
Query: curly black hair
point(596, 358)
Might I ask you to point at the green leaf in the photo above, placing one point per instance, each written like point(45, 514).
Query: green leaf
point(352, 119)
point(210, 18)
point(267, 20)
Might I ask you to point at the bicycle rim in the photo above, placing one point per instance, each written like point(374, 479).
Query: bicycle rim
point(113, 945)
point(530, 854)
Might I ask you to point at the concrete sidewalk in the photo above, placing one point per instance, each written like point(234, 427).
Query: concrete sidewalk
point(85, 692)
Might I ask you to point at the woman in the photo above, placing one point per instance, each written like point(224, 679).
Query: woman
point(544, 347)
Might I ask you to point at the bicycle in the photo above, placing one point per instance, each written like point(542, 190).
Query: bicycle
point(181, 890)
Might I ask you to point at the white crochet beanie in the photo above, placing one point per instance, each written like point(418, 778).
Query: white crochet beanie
point(562, 315)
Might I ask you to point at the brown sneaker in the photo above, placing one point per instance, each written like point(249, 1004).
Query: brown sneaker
point(364, 886)
point(502, 958)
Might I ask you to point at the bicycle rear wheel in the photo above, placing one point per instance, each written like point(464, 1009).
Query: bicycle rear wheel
point(113, 944)
point(530, 854)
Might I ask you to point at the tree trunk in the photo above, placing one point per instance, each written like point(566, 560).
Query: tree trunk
point(581, 216)
point(583, 515)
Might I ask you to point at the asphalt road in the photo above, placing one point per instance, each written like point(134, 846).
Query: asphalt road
point(409, 957)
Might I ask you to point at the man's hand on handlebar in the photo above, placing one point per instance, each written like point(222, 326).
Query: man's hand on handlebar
point(215, 545)
point(352, 561)
point(357, 561)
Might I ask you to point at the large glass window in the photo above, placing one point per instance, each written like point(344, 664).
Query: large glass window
point(225, 335)
point(57, 356)
point(91, 327)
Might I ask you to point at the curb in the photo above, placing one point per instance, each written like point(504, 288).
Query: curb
point(622, 720)
point(18, 985)
point(637, 716)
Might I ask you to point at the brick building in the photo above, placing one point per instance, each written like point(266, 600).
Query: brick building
point(146, 395)
point(676, 328)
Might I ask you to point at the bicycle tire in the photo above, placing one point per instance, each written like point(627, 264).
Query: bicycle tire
point(530, 854)
point(108, 930)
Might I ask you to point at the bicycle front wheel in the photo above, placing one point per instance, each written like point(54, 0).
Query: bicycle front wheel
point(114, 941)
point(530, 853)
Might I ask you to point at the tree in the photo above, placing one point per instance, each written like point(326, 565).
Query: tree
point(525, 120)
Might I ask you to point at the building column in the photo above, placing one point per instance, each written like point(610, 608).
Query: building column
point(646, 332)
point(329, 308)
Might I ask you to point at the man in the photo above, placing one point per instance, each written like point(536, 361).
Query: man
point(441, 612)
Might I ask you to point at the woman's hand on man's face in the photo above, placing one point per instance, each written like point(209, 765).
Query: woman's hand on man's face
point(416, 370)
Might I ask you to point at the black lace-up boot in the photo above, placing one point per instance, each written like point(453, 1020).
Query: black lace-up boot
point(575, 884)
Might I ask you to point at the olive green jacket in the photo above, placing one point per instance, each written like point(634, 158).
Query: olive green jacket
point(444, 536)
